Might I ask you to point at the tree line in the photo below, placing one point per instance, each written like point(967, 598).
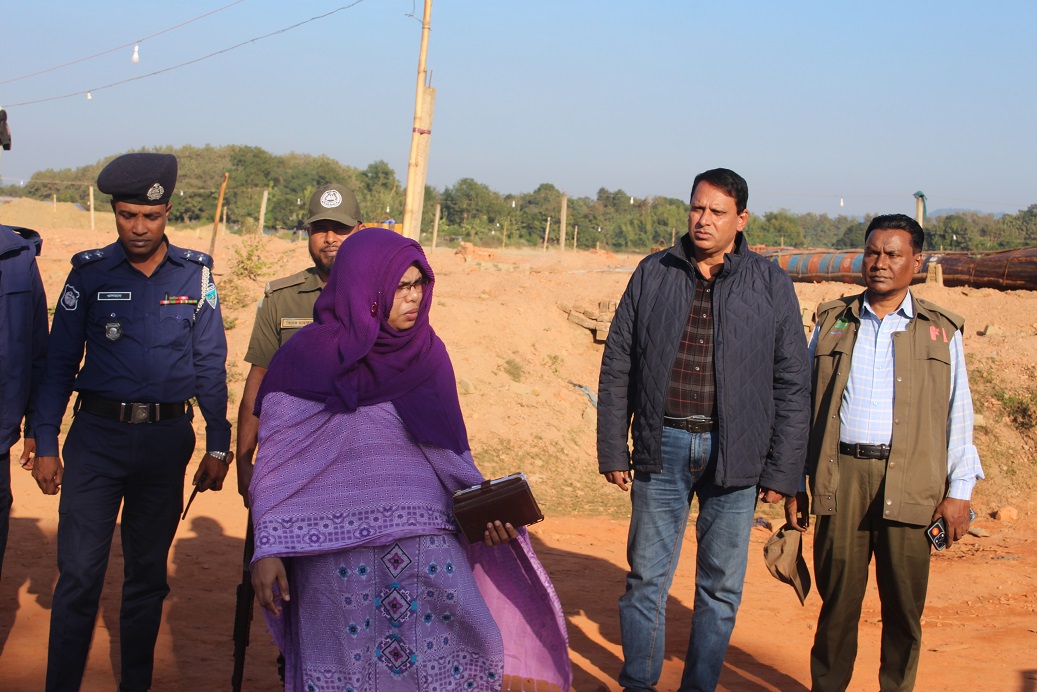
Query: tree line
point(474, 212)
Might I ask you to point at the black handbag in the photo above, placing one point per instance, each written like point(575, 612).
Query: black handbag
point(508, 500)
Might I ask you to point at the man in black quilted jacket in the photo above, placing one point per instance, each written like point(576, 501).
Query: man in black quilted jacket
point(706, 367)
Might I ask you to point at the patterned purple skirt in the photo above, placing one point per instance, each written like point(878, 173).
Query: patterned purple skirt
point(404, 616)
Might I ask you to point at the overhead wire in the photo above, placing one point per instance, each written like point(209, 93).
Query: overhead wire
point(122, 47)
point(189, 62)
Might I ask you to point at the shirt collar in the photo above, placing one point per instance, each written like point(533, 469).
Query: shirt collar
point(906, 308)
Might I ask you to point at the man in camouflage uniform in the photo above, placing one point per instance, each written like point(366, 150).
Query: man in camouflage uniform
point(287, 306)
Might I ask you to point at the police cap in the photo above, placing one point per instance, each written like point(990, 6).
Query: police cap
point(139, 178)
point(334, 202)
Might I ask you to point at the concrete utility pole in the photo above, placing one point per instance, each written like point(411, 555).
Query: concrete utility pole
point(418, 165)
point(920, 208)
point(561, 221)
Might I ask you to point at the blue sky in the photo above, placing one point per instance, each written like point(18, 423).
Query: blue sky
point(812, 102)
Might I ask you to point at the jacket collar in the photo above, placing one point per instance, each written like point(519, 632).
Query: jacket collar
point(684, 251)
point(116, 253)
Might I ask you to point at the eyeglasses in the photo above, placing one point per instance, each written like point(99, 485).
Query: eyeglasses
point(405, 287)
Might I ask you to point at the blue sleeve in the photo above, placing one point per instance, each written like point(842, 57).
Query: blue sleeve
point(784, 466)
point(64, 353)
point(39, 348)
point(210, 364)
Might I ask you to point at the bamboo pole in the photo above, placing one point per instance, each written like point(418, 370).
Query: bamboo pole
point(262, 210)
point(504, 234)
point(410, 223)
point(219, 208)
point(435, 227)
point(576, 233)
point(561, 221)
point(547, 232)
point(92, 227)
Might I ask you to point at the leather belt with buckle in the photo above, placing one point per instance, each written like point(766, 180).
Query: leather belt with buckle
point(694, 424)
point(863, 451)
point(130, 412)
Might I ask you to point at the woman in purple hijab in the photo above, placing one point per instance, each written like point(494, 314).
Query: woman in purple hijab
point(366, 582)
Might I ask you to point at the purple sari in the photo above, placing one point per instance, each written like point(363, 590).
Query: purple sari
point(360, 447)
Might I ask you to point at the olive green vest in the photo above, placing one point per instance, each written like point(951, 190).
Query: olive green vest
point(916, 472)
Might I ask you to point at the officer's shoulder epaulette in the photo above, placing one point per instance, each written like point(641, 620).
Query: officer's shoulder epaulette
point(837, 304)
point(196, 256)
point(286, 282)
point(81, 259)
point(954, 318)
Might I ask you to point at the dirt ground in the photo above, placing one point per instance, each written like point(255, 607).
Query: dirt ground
point(527, 376)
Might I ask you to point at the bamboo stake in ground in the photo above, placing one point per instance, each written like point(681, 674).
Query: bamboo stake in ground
point(92, 228)
point(547, 232)
point(561, 222)
point(435, 227)
point(219, 208)
point(262, 211)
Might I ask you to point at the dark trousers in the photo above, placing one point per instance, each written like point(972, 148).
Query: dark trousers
point(843, 547)
point(108, 464)
point(5, 504)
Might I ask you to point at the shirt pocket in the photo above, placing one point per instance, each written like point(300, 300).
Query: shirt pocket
point(176, 324)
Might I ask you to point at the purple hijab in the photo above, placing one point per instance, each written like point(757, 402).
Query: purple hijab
point(350, 356)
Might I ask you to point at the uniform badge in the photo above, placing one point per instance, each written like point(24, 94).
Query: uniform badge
point(208, 292)
point(330, 199)
point(155, 192)
point(70, 298)
point(839, 327)
point(113, 330)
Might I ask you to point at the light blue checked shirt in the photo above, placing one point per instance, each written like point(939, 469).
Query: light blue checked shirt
point(866, 413)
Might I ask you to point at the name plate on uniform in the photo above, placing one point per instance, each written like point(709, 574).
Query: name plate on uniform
point(295, 322)
point(114, 295)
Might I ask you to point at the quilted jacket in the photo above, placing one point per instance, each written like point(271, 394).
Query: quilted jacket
point(760, 354)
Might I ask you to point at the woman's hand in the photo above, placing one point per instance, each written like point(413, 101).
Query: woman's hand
point(497, 533)
point(267, 572)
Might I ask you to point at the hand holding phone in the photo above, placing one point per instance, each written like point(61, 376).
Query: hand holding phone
point(937, 531)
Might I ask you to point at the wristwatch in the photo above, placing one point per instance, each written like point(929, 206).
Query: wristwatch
point(221, 456)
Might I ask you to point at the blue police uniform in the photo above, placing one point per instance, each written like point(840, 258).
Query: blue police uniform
point(23, 349)
point(152, 343)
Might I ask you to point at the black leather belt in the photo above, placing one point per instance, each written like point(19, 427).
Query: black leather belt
point(694, 424)
point(129, 412)
point(861, 451)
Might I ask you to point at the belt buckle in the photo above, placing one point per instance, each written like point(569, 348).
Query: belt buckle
point(139, 413)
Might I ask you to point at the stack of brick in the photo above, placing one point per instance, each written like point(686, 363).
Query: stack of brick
point(597, 320)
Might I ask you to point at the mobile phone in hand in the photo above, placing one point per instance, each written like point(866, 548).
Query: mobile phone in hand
point(937, 531)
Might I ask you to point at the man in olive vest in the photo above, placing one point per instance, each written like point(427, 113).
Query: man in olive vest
point(287, 307)
point(890, 451)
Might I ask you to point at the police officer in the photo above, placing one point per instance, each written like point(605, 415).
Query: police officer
point(334, 215)
point(149, 316)
point(23, 350)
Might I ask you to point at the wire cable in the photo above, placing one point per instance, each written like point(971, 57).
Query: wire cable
point(122, 47)
point(189, 62)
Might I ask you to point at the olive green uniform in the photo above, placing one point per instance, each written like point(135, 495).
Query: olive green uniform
point(286, 308)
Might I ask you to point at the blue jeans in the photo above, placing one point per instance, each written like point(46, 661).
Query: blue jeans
point(661, 502)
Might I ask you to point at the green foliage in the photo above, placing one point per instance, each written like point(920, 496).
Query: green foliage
point(474, 212)
point(513, 369)
point(248, 258)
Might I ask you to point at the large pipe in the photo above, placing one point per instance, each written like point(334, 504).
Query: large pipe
point(1003, 269)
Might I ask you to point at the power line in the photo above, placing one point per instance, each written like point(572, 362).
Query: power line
point(89, 92)
point(122, 47)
